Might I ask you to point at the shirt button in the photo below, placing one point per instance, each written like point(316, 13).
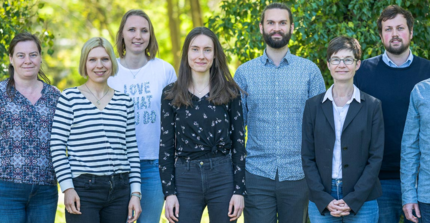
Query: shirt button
point(276, 97)
point(201, 163)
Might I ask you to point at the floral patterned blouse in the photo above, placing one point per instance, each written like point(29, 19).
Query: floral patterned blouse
point(196, 131)
point(25, 131)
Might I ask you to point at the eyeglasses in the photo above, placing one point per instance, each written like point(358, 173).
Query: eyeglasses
point(346, 61)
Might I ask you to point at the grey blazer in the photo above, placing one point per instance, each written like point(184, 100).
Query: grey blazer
point(362, 146)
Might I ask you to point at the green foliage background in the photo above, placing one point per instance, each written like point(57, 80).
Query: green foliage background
point(316, 23)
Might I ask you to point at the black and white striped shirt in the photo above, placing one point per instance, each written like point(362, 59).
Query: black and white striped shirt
point(86, 140)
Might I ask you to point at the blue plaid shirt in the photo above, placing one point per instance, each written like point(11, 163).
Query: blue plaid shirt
point(273, 112)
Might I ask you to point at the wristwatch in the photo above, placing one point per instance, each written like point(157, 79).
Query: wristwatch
point(137, 195)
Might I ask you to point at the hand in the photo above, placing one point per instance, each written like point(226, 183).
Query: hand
point(172, 204)
point(407, 208)
point(338, 208)
point(70, 199)
point(238, 204)
point(134, 205)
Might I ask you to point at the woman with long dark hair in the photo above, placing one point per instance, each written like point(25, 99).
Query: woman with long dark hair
point(142, 76)
point(28, 188)
point(93, 144)
point(202, 129)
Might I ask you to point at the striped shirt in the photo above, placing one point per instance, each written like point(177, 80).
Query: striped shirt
point(85, 140)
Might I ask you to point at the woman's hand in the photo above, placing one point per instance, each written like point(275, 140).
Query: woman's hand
point(338, 208)
point(236, 206)
point(70, 199)
point(172, 204)
point(134, 205)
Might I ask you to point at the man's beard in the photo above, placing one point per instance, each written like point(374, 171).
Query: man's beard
point(277, 43)
point(399, 50)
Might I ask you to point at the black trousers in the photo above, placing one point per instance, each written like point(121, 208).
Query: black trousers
point(204, 182)
point(103, 199)
point(271, 201)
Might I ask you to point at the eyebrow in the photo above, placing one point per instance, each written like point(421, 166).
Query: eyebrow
point(270, 20)
point(24, 53)
point(199, 46)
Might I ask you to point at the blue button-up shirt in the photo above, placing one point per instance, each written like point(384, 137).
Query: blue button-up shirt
point(390, 63)
point(415, 155)
point(273, 112)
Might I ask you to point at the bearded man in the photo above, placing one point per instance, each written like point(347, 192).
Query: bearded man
point(390, 77)
point(278, 84)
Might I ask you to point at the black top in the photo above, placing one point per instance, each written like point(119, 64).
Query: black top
point(393, 87)
point(201, 130)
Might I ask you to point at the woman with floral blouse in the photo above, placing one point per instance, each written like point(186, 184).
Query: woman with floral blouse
point(202, 130)
point(28, 188)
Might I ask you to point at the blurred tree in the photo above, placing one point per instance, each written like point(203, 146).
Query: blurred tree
point(174, 25)
point(316, 23)
point(196, 13)
point(18, 16)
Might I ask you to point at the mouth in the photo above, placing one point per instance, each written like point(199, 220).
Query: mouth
point(200, 63)
point(99, 73)
point(137, 43)
point(396, 41)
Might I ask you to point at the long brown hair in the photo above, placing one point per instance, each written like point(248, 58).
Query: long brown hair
point(22, 37)
point(152, 48)
point(222, 86)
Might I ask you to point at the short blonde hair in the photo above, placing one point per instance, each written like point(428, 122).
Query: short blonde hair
point(152, 48)
point(91, 44)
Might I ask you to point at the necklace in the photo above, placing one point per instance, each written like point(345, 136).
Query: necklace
point(199, 92)
point(134, 74)
point(98, 100)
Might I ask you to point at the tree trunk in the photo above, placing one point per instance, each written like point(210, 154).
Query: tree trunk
point(175, 35)
point(196, 13)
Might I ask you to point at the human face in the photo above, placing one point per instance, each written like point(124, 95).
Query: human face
point(136, 34)
point(396, 35)
point(98, 65)
point(276, 28)
point(342, 72)
point(26, 60)
point(201, 54)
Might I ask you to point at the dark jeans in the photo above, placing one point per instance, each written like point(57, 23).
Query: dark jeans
point(425, 212)
point(20, 203)
point(390, 203)
point(201, 183)
point(270, 201)
point(103, 199)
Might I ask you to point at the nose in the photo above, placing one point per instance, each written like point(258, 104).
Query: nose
point(99, 63)
point(277, 26)
point(342, 63)
point(138, 35)
point(201, 54)
point(27, 59)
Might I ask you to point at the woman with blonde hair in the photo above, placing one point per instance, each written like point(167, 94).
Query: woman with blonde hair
point(93, 144)
point(142, 76)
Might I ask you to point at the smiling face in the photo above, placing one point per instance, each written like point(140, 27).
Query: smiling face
point(343, 72)
point(395, 35)
point(98, 65)
point(201, 54)
point(136, 34)
point(276, 28)
point(26, 60)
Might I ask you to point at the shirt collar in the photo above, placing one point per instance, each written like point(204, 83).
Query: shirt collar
point(287, 58)
point(390, 63)
point(355, 95)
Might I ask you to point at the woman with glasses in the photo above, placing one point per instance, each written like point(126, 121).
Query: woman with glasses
point(343, 143)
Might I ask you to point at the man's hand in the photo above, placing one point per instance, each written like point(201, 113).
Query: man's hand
point(407, 209)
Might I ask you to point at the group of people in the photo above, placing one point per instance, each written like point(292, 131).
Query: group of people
point(136, 136)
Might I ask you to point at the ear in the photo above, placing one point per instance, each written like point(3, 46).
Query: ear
point(10, 59)
point(292, 28)
point(357, 66)
point(328, 65)
point(412, 32)
point(261, 28)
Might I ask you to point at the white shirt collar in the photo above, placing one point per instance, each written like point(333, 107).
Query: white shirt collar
point(355, 95)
